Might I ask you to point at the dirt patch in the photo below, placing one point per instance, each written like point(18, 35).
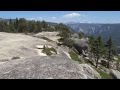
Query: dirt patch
point(13, 58)
point(4, 60)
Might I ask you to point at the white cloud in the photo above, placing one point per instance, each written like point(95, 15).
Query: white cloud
point(53, 17)
point(72, 15)
point(31, 18)
point(40, 18)
point(37, 18)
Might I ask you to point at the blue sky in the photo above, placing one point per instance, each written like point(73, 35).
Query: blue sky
point(66, 16)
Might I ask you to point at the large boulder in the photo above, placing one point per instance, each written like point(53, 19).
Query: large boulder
point(115, 73)
point(80, 45)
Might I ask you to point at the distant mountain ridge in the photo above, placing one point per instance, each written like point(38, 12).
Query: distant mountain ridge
point(104, 30)
point(3, 19)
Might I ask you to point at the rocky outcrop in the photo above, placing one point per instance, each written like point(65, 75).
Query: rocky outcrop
point(115, 73)
point(54, 67)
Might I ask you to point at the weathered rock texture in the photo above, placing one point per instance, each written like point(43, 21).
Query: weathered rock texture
point(53, 67)
point(19, 59)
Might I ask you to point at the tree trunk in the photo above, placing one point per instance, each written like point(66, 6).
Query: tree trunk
point(108, 64)
point(97, 54)
point(97, 62)
point(109, 57)
point(117, 65)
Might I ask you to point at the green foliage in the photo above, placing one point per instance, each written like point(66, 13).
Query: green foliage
point(91, 44)
point(66, 42)
point(97, 48)
point(104, 75)
point(74, 56)
point(52, 49)
point(64, 31)
point(47, 51)
point(65, 35)
point(69, 43)
point(110, 51)
point(81, 35)
point(44, 24)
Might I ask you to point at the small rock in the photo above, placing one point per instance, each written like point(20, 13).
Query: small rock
point(115, 73)
point(115, 58)
point(39, 46)
point(87, 58)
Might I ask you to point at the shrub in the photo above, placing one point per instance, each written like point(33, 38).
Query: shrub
point(81, 35)
point(52, 49)
point(104, 75)
point(66, 42)
point(74, 56)
point(48, 51)
point(69, 43)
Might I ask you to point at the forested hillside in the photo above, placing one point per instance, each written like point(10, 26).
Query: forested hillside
point(21, 25)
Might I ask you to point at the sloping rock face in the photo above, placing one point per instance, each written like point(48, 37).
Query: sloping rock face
point(115, 73)
point(19, 59)
point(40, 67)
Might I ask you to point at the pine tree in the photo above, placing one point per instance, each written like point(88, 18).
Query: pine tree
point(81, 35)
point(39, 27)
point(100, 49)
point(11, 27)
point(16, 24)
point(44, 25)
point(22, 26)
point(96, 51)
point(110, 51)
point(91, 46)
point(97, 48)
point(65, 34)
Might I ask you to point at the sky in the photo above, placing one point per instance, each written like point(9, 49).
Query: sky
point(65, 16)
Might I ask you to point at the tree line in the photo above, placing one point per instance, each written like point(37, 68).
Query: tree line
point(100, 49)
point(21, 25)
